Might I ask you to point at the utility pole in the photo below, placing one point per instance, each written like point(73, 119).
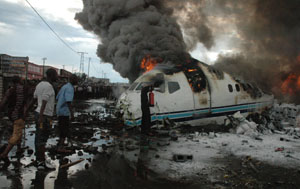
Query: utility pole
point(81, 66)
point(44, 59)
point(63, 67)
point(89, 67)
point(26, 69)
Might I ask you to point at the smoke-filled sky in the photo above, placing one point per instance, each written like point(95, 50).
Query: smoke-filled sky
point(22, 33)
point(257, 40)
point(260, 39)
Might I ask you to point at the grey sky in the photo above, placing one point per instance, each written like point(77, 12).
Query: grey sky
point(22, 33)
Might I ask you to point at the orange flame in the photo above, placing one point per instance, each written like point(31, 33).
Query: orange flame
point(192, 70)
point(291, 84)
point(298, 58)
point(148, 63)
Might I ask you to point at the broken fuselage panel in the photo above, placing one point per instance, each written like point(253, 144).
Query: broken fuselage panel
point(194, 94)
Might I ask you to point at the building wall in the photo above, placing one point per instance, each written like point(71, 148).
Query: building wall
point(13, 65)
point(34, 71)
point(64, 73)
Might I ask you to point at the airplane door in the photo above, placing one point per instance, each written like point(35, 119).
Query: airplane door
point(201, 97)
point(176, 101)
point(200, 91)
point(202, 103)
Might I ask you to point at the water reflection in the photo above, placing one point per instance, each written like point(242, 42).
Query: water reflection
point(143, 160)
point(89, 136)
point(39, 180)
point(62, 180)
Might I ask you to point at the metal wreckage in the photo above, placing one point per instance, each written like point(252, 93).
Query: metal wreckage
point(193, 93)
point(209, 129)
point(201, 113)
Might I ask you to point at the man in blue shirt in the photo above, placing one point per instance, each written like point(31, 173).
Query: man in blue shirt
point(64, 111)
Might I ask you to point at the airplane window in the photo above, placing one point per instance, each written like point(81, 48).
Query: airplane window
point(141, 85)
point(230, 88)
point(173, 86)
point(237, 87)
point(133, 85)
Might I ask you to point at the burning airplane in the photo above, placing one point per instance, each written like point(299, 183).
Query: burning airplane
point(193, 93)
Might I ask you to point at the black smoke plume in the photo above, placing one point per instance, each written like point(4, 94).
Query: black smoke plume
point(269, 52)
point(129, 30)
point(264, 36)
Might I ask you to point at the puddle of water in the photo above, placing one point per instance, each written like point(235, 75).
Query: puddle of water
point(28, 177)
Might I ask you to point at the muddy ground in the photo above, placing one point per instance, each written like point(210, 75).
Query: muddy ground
point(96, 137)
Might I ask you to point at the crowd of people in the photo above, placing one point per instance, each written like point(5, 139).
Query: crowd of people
point(20, 99)
point(94, 91)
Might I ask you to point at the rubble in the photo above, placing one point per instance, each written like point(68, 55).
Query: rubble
point(285, 115)
point(182, 157)
point(281, 119)
point(85, 142)
point(243, 126)
point(70, 164)
point(279, 149)
point(179, 153)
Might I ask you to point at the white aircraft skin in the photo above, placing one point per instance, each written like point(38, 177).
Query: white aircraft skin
point(208, 105)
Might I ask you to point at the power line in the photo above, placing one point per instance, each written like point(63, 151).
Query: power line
point(93, 58)
point(65, 43)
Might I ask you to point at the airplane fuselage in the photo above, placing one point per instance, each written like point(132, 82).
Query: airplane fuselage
point(195, 94)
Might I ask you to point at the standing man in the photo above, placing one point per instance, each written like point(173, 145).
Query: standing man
point(145, 106)
point(45, 96)
point(64, 110)
point(15, 98)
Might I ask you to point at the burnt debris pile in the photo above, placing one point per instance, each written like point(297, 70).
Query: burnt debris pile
point(180, 148)
point(281, 118)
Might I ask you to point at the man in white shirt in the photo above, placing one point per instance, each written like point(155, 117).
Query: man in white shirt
point(45, 95)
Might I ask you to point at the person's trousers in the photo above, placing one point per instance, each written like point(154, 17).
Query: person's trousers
point(41, 135)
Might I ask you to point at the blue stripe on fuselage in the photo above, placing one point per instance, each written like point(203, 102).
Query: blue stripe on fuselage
point(215, 112)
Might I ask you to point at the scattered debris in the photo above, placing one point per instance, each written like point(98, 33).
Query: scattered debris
point(182, 157)
point(29, 151)
point(70, 164)
point(86, 166)
point(279, 149)
point(284, 139)
point(243, 126)
point(80, 153)
point(285, 115)
point(173, 135)
point(87, 134)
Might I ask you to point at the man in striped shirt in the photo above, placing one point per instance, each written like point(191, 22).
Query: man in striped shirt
point(15, 98)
